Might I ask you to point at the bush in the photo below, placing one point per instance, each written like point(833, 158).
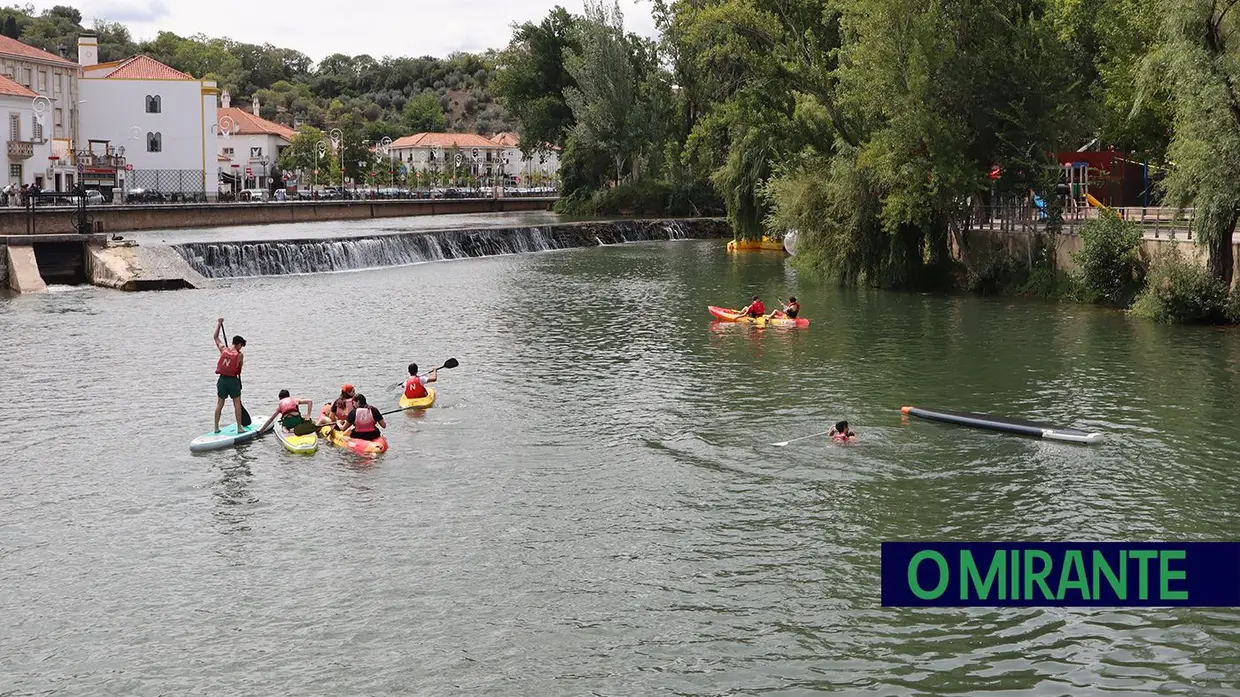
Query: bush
point(646, 197)
point(1181, 291)
point(1233, 305)
point(1109, 265)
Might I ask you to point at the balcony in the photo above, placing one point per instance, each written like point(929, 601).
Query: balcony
point(21, 150)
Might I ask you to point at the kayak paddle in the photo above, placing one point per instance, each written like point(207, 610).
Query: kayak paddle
point(308, 427)
point(783, 443)
point(245, 413)
point(450, 363)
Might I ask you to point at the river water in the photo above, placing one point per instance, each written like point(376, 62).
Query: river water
point(592, 507)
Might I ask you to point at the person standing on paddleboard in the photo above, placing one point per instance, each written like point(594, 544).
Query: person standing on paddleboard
point(228, 367)
point(364, 421)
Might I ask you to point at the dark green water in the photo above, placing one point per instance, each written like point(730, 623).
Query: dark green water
point(592, 507)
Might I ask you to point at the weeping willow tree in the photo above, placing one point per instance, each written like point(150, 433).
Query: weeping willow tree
point(1197, 64)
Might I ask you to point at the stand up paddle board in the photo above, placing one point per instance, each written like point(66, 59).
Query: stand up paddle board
point(998, 423)
point(226, 437)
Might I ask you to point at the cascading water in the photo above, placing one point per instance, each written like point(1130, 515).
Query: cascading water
point(277, 257)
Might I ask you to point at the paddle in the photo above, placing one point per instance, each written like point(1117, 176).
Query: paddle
point(450, 363)
point(245, 413)
point(812, 435)
point(309, 427)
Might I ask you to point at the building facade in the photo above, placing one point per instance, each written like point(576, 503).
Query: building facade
point(479, 157)
point(26, 154)
point(52, 119)
point(164, 120)
point(249, 146)
point(541, 168)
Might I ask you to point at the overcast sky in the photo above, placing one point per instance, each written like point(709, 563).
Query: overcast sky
point(319, 28)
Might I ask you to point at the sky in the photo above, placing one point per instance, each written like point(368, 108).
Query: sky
point(319, 28)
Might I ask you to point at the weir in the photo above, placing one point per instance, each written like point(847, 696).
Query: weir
point(299, 256)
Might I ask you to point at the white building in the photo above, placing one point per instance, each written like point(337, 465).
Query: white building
point(53, 84)
point(163, 118)
point(26, 154)
point(249, 146)
point(421, 152)
point(539, 169)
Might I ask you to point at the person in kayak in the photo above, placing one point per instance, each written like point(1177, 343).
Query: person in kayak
point(790, 310)
point(338, 411)
point(841, 432)
point(288, 411)
point(415, 385)
point(228, 367)
point(754, 309)
point(364, 421)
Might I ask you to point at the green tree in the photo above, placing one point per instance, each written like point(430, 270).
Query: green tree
point(302, 154)
point(423, 114)
point(532, 83)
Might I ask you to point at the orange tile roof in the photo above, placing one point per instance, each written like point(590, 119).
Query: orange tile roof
point(12, 89)
point(13, 47)
point(247, 124)
point(446, 141)
point(136, 68)
point(507, 139)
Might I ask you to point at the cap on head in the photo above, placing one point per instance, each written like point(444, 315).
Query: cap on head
point(346, 388)
point(284, 394)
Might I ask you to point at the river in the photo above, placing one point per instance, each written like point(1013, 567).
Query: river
point(592, 506)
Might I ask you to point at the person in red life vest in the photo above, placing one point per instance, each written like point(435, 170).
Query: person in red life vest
point(791, 309)
point(364, 421)
point(288, 411)
point(228, 367)
point(338, 411)
point(755, 308)
point(415, 385)
point(841, 432)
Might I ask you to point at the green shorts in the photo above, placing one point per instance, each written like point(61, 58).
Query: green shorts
point(228, 387)
point(293, 421)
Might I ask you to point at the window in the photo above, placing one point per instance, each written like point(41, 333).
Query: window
point(228, 152)
point(58, 84)
point(154, 142)
point(36, 129)
point(256, 153)
point(15, 173)
point(42, 81)
point(15, 127)
point(60, 117)
point(26, 79)
point(153, 104)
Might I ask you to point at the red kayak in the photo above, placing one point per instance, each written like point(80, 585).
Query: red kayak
point(723, 314)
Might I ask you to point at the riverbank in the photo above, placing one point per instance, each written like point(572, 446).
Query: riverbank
point(126, 218)
point(29, 263)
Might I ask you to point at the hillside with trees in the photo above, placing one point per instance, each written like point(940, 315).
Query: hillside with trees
point(389, 96)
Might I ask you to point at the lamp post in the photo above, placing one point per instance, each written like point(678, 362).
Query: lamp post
point(336, 136)
point(320, 149)
point(385, 146)
point(264, 185)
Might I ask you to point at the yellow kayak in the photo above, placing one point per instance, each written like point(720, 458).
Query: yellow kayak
point(295, 443)
point(420, 402)
point(765, 244)
point(357, 445)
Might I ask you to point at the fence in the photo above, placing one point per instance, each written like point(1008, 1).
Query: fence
point(1156, 222)
point(165, 186)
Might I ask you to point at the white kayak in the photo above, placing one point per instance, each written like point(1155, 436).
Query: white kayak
point(224, 438)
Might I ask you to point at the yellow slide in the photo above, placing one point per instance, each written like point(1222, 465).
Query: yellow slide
point(1095, 202)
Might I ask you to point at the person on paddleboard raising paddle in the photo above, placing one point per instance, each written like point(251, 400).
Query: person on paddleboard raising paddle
point(415, 385)
point(228, 367)
point(288, 411)
point(754, 309)
point(364, 421)
point(338, 411)
point(841, 432)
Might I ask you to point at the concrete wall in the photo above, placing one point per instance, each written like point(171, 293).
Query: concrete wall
point(168, 217)
point(1017, 244)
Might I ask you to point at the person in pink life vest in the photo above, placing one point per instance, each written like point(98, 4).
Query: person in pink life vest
point(288, 411)
point(228, 367)
point(415, 385)
point(336, 412)
point(364, 421)
point(841, 433)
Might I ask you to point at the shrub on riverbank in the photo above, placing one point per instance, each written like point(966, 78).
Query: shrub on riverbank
point(647, 197)
point(1109, 266)
point(1181, 291)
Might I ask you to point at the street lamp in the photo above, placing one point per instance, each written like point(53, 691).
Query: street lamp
point(336, 136)
point(385, 145)
point(263, 161)
point(320, 149)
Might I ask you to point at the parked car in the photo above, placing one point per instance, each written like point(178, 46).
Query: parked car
point(253, 195)
point(144, 196)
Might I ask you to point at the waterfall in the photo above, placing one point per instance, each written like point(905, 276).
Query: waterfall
point(277, 257)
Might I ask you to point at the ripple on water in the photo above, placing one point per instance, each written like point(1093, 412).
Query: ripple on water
point(594, 506)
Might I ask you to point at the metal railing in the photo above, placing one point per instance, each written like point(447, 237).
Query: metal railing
point(1156, 222)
